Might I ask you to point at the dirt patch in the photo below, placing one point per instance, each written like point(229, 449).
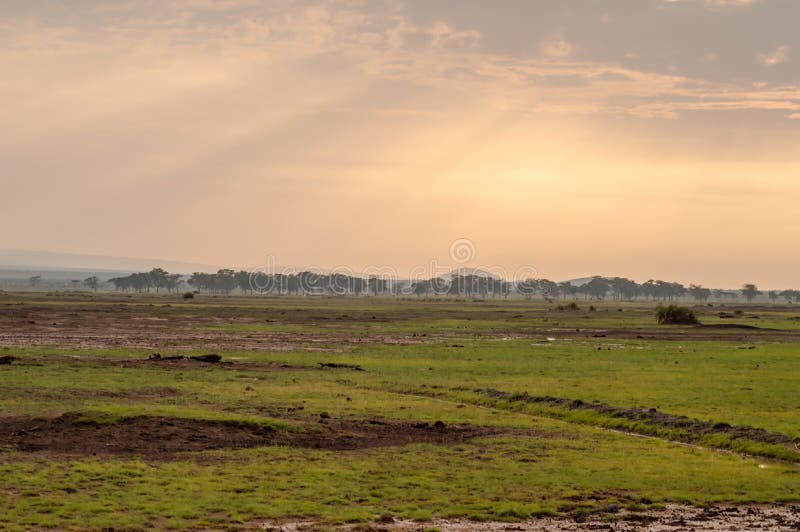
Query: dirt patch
point(674, 518)
point(177, 362)
point(693, 428)
point(153, 436)
point(734, 326)
point(333, 365)
point(116, 321)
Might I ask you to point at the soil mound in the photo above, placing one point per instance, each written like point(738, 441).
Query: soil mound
point(154, 436)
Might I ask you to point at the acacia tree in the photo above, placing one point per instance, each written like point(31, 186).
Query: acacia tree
point(172, 282)
point(624, 288)
point(597, 288)
point(91, 282)
point(790, 295)
point(158, 278)
point(527, 287)
point(548, 288)
point(243, 281)
point(699, 293)
point(750, 292)
point(567, 289)
point(773, 295)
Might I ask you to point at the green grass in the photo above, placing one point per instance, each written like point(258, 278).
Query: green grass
point(497, 478)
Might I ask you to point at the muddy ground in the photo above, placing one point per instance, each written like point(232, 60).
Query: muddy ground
point(674, 518)
point(326, 324)
point(157, 437)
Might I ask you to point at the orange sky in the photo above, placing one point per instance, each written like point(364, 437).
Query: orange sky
point(577, 139)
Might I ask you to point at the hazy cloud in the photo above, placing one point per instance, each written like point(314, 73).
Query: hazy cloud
point(556, 49)
point(776, 56)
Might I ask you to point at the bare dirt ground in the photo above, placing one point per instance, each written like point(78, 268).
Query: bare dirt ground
point(162, 437)
point(178, 362)
point(675, 518)
point(116, 321)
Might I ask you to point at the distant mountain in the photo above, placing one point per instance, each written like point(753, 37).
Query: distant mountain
point(584, 280)
point(463, 272)
point(13, 259)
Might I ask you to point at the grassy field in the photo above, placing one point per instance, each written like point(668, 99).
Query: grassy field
point(541, 411)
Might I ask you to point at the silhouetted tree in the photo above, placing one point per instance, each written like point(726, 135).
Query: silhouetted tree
point(624, 288)
point(790, 295)
point(91, 282)
point(172, 282)
point(567, 289)
point(750, 292)
point(773, 295)
point(158, 278)
point(243, 281)
point(527, 287)
point(548, 288)
point(597, 288)
point(699, 293)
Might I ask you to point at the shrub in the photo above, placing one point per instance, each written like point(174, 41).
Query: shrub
point(571, 307)
point(675, 315)
point(188, 295)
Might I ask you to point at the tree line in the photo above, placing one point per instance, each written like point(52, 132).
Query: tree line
point(227, 281)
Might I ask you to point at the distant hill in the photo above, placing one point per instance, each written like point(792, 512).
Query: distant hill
point(463, 272)
point(583, 280)
point(38, 261)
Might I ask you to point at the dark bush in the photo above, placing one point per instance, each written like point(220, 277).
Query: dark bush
point(675, 315)
point(571, 307)
point(188, 295)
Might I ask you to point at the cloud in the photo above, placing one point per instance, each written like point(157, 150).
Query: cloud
point(556, 49)
point(776, 56)
point(709, 57)
point(715, 3)
point(311, 57)
point(724, 3)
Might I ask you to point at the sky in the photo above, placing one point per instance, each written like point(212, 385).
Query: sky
point(639, 138)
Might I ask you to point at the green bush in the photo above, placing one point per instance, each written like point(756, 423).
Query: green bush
point(675, 315)
point(188, 295)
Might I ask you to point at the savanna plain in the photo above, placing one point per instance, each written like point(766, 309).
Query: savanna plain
point(376, 413)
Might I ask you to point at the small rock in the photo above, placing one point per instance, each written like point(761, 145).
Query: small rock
point(385, 518)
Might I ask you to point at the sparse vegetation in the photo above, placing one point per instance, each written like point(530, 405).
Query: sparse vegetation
point(675, 315)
